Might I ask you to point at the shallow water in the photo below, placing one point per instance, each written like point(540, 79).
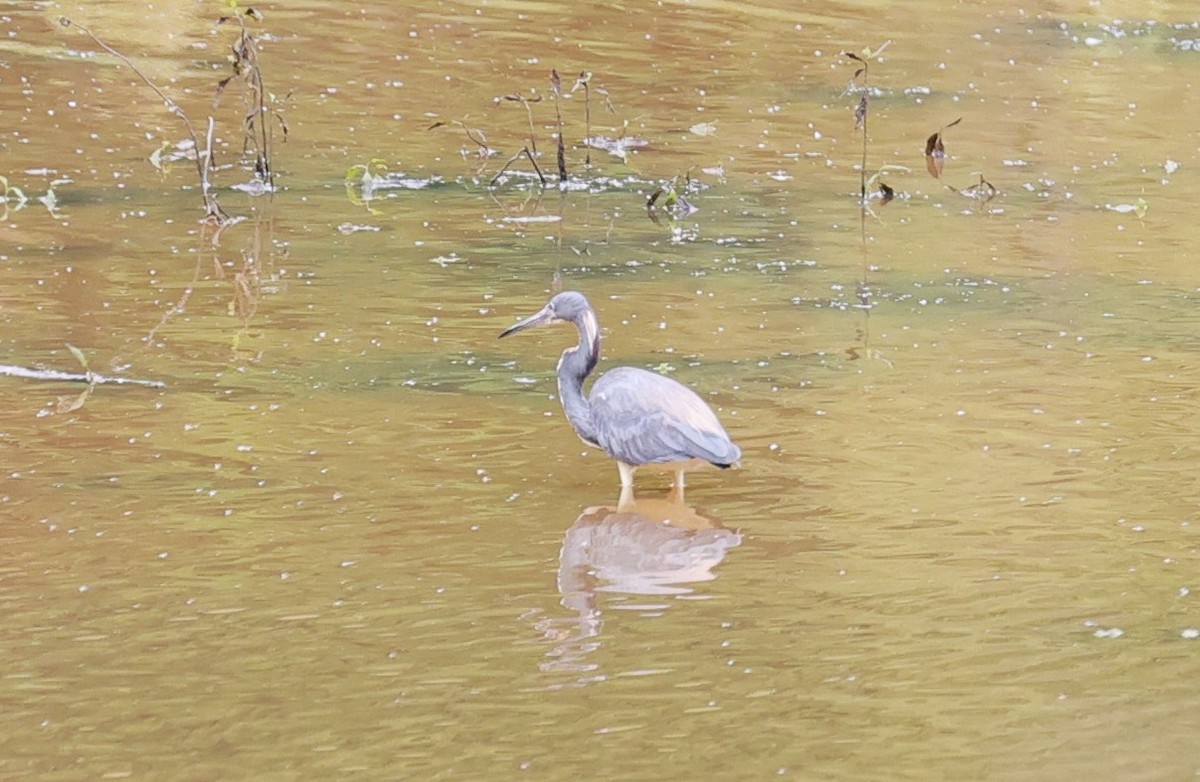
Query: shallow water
point(354, 535)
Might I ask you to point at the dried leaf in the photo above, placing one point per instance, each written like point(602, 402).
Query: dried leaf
point(933, 145)
point(935, 151)
point(886, 194)
point(860, 112)
point(555, 82)
point(654, 197)
point(438, 124)
point(852, 56)
point(221, 85)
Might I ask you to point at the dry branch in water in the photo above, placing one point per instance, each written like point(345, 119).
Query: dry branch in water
point(92, 378)
point(213, 210)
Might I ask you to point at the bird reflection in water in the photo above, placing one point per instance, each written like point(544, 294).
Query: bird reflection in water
point(651, 547)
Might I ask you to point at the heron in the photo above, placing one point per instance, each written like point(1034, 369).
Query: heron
point(639, 418)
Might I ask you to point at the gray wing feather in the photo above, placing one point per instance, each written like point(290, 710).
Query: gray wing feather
point(642, 417)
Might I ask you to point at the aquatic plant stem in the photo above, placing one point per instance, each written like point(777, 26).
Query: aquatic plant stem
point(213, 210)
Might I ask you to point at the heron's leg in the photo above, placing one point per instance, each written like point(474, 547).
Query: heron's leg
point(677, 487)
point(626, 498)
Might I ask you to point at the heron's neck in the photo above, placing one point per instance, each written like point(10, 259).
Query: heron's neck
point(574, 366)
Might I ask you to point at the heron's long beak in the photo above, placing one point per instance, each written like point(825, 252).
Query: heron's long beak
point(540, 318)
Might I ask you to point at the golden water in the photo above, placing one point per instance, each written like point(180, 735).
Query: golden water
point(354, 535)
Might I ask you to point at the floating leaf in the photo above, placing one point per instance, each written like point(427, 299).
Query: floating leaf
point(704, 128)
point(860, 112)
point(68, 404)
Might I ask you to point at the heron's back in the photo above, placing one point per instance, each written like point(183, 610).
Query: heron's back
point(641, 417)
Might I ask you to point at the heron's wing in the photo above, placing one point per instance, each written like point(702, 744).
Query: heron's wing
point(642, 417)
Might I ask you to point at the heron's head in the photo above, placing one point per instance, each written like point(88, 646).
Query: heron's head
point(566, 307)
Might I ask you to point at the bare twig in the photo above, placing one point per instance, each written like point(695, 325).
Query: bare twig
point(517, 98)
point(524, 151)
point(91, 378)
point(203, 157)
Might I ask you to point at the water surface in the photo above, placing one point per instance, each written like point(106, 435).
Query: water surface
point(355, 536)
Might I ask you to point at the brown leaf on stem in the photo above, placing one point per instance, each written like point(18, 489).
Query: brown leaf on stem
point(935, 151)
point(934, 145)
point(555, 81)
point(860, 111)
point(886, 194)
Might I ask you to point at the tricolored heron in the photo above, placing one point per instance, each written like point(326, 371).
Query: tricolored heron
point(637, 417)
